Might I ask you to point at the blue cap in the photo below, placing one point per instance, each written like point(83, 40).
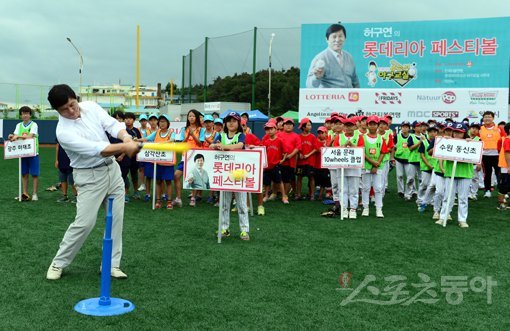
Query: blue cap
point(218, 121)
point(143, 117)
point(208, 118)
point(153, 115)
point(450, 125)
point(459, 127)
point(165, 116)
point(405, 123)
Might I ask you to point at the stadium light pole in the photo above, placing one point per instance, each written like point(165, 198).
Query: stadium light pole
point(269, 94)
point(81, 63)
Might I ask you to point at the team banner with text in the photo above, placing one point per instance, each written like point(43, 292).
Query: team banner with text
point(208, 169)
point(411, 70)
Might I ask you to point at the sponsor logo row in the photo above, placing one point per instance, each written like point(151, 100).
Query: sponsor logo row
point(396, 98)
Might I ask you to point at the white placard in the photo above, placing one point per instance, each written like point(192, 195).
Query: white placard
point(458, 150)
point(147, 155)
point(212, 170)
point(19, 148)
point(342, 157)
point(264, 154)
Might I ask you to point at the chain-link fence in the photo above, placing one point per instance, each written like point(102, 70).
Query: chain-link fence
point(244, 52)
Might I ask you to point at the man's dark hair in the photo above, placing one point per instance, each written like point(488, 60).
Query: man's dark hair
point(507, 129)
point(335, 28)
point(25, 109)
point(59, 95)
point(119, 113)
point(198, 156)
point(129, 115)
point(488, 112)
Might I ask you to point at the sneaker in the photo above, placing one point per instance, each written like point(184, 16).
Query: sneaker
point(378, 213)
point(272, 197)
point(224, 233)
point(73, 200)
point(449, 218)
point(51, 189)
point(177, 202)
point(422, 208)
point(217, 204)
point(169, 205)
point(285, 200)
point(473, 197)
point(54, 272)
point(234, 209)
point(63, 199)
point(365, 212)
point(35, 197)
point(158, 204)
point(147, 198)
point(435, 216)
point(141, 188)
point(164, 197)
point(117, 273)
point(345, 213)
point(440, 222)
point(352, 214)
point(463, 225)
point(136, 196)
point(261, 211)
point(501, 207)
point(244, 236)
point(192, 202)
point(487, 194)
point(126, 199)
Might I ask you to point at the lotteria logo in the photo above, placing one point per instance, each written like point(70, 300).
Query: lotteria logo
point(353, 96)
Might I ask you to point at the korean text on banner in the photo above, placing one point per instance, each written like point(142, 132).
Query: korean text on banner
point(458, 150)
point(207, 169)
point(19, 148)
point(338, 157)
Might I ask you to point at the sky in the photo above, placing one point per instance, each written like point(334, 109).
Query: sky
point(35, 50)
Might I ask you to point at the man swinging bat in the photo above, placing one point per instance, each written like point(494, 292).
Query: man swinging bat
point(81, 132)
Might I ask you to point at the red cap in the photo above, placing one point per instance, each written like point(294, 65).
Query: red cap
point(303, 122)
point(271, 120)
point(384, 119)
point(373, 118)
point(328, 119)
point(335, 114)
point(322, 129)
point(270, 124)
point(351, 120)
point(336, 119)
point(288, 119)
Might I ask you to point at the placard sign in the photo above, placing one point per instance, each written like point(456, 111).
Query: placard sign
point(19, 148)
point(147, 155)
point(208, 169)
point(342, 157)
point(458, 150)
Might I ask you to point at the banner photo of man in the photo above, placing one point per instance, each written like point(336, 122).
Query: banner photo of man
point(411, 70)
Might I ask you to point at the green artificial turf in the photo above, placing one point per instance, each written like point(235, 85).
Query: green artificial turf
point(286, 277)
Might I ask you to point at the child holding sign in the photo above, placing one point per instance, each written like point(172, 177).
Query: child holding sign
point(29, 165)
point(232, 138)
point(461, 181)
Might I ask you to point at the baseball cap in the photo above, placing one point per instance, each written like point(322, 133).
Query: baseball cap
point(432, 127)
point(384, 119)
point(336, 119)
point(272, 120)
point(165, 116)
point(143, 117)
point(287, 120)
point(405, 123)
point(208, 118)
point(350, 121)
point(303, 122)
point(373, 118)
point(460, 127)
point(153, 115)
point(362, 117)
point(269, 125)
point(328, 119)
point(475, 125)
point(416, 123)
point(335, 114)
point(450, 125)
point(218, 121)
point(322, 129)
point(233, 115)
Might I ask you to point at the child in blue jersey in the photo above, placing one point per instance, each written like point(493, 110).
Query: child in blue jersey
point(233, 138)
point(29, 165)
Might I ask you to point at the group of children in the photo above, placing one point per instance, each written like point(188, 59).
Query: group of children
point(292, 156)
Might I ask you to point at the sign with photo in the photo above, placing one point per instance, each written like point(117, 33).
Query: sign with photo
point(234, 171)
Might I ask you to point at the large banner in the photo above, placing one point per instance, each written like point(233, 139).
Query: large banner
point(411, 70)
